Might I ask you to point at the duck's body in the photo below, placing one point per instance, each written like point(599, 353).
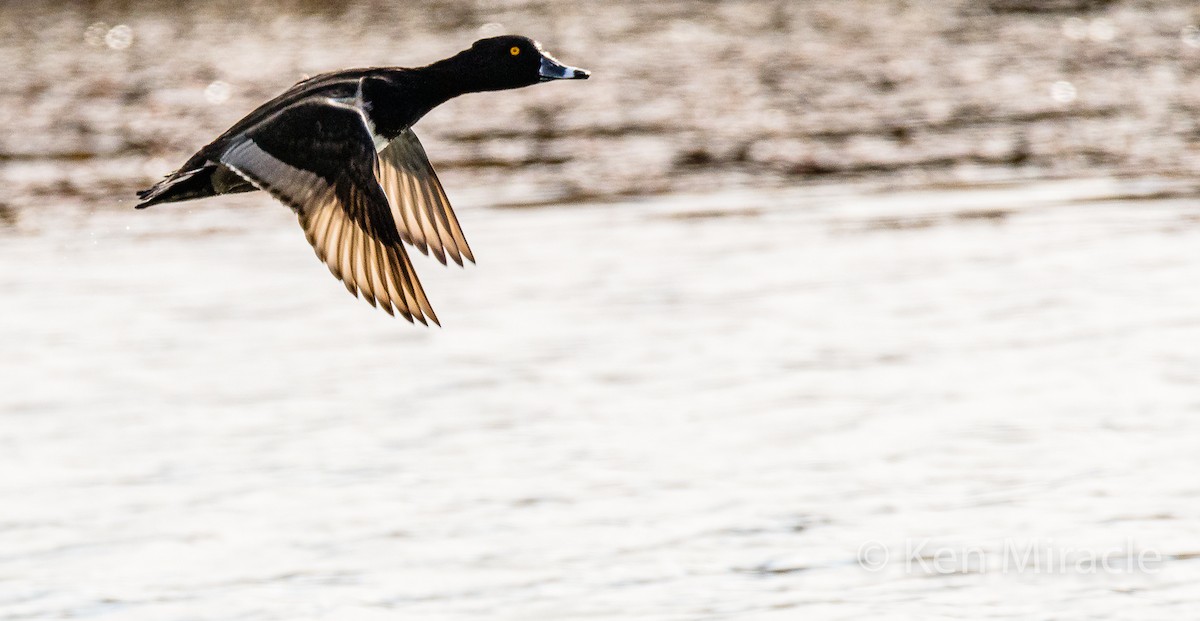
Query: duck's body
point(339, 150)
point(390, 113)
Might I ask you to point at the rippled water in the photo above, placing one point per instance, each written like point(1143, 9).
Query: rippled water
point(694, 407)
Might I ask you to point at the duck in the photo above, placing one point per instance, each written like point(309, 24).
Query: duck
point(339, 150)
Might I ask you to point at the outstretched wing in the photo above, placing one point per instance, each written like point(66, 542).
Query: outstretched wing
point(419, 204)
point(318, 158)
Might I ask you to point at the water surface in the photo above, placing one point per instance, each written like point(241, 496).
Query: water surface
point(689, 408)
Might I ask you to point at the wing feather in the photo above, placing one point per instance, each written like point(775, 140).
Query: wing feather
point(425, 216)
point(332, 248)
point(391, 279)
point(342, 208)
point(374, 256)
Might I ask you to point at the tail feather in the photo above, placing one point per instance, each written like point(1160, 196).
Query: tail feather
point(179, 186)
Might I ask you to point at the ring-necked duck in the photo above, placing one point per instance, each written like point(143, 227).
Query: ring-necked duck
point(338, 149)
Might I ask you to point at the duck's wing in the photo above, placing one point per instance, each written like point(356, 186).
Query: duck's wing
point(318, 157)
point(419, 204)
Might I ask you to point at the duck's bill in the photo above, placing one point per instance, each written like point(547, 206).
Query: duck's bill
point(554, 70)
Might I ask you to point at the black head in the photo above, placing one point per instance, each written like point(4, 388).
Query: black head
point(511, 61)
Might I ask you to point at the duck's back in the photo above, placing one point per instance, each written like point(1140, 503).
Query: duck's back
point(203, 175)
point(340, 85)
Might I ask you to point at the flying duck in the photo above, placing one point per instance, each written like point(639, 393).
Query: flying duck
point(339, 149)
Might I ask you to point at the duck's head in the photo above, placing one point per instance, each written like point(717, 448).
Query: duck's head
point(512, 61)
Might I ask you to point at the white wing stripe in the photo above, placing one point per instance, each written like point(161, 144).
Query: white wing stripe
point(302, 187)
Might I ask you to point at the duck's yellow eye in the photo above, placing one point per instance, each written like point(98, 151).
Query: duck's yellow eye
point(515, 51)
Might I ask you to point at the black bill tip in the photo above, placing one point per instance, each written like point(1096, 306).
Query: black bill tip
point(551, 69)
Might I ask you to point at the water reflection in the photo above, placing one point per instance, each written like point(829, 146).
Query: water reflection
point(1063, 92)
point(217, 92)
point(1191, 36)
point(119, 37)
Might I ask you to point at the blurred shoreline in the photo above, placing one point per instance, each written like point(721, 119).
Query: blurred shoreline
point(106, 97)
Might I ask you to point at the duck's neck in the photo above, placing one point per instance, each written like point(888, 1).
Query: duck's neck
point(401, 99)
point(449, 78)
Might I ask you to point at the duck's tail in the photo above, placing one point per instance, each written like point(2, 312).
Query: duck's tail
point(178, 186)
